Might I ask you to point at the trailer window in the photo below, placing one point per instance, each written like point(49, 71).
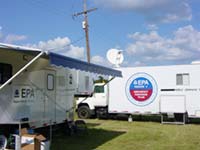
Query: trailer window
point(50, 82)
point(99, 89)
point(5, 72)
point(183, 79)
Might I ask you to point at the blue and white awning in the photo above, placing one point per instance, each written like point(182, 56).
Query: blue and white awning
point(64, 61)
point(72, 63)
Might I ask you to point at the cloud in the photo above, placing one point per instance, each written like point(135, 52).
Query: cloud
point(155, 11)
point(100, 60)
point(139, 63)
point(57, 44)
point(76, 52)
point(62, 46)
point(12, 38)
point(97, 59)
point(152, 27)
point(152, 48)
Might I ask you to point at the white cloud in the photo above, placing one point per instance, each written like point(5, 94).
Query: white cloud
point(152, 27)
point(12, 38)
point(139, 63)
point(152, 48)
point(76, 52)
point(100, 60)
point(97, 59)
point(188, 38)
point(62, 46)
point(57, 44)
point(153, 10)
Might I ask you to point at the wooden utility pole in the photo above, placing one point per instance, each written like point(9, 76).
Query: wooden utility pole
point(86, 26)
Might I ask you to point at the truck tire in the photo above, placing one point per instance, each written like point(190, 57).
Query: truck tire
point(84, 112)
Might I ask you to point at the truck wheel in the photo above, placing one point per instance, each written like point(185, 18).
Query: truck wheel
point(84, 112)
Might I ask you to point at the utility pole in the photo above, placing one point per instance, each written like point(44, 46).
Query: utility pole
point(86, 26)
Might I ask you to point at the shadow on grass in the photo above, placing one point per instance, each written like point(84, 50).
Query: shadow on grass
point(153, 118)
point(157, 118)
point(89, 140)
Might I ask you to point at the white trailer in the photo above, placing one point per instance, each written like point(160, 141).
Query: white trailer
point(38, 87)
point(172, 90)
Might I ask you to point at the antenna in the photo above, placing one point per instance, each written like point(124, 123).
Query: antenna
point(115, 57)
point(85, 26)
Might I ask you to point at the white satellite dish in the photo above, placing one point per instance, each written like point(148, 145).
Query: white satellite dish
point(115, 57)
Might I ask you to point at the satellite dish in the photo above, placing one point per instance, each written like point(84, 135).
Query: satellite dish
point(115, 57)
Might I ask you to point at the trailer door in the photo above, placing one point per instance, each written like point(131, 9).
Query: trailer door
point(172, 104)
point(50, 97)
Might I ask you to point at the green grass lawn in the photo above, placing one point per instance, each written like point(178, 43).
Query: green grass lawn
point(124, 135)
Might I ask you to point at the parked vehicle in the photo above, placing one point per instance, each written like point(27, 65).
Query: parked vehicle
point(172, 91)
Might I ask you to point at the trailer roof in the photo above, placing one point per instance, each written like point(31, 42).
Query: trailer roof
point(64, 61)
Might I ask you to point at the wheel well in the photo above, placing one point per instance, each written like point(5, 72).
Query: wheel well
point(83, 104)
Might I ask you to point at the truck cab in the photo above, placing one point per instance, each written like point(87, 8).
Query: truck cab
point(96, 104)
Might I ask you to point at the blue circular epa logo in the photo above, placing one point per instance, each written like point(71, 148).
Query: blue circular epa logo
point(141, 89)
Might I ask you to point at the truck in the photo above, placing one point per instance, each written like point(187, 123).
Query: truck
point(38, 87)
point(171, 92)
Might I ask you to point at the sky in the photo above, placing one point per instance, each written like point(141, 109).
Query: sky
point(149, 32)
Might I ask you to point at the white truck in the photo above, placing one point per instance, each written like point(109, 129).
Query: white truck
point(172, 91)
point(38, 87)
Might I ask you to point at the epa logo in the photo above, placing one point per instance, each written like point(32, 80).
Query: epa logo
point(141, 89)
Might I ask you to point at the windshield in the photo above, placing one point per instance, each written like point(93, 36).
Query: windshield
point(99, 89)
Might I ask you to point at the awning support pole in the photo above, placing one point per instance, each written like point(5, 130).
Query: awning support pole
point(21, 70)
point(109, 81)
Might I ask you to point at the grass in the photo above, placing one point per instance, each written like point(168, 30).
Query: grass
point(124, 135)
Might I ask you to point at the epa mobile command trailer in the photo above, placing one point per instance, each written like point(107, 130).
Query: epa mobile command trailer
point(172, 91)
point(38, 87)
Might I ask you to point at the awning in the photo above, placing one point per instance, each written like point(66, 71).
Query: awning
point(64, 61)
point(60, 60)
